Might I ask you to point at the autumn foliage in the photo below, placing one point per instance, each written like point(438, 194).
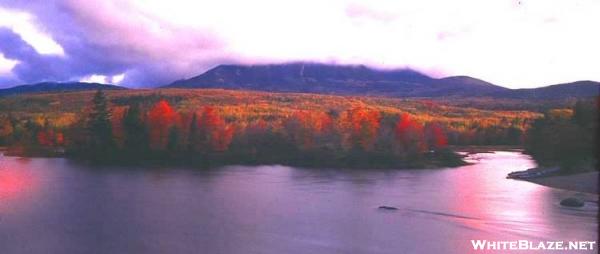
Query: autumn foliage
point(161, 119)
point(359, 127)
point(50, 138)
point(215, 134)
point(306, 127)
point(567, 138)
point(435, 136)
point(244, 127)
point(410, 135)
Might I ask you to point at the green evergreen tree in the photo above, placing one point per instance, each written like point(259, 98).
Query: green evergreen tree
point(101, 144)
point(173, 142)
point(135, 132)
point(193, 135)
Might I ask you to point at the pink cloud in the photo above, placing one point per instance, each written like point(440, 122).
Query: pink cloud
point(361, 11)
point(157, 41)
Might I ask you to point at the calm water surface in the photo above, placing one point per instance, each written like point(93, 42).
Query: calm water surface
point(60, 206)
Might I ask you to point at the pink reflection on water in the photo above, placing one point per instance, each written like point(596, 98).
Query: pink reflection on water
point(16, 184)
point(486, 203)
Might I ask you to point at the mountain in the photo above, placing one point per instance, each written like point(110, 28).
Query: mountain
point(336, 79)
point(340, 80)
point(463, 86)
point(577, 89)
point(56, 87)
point(360, 80)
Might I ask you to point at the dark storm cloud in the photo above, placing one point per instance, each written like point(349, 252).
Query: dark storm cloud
point(32, 66)
point(106, 38)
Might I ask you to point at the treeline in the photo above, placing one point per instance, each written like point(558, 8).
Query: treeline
point(32, 137)
point(356, 137)
point(567, 138)
point(510, 133)
point(216, 127)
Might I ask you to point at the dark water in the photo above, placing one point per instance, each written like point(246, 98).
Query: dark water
point(59, 206)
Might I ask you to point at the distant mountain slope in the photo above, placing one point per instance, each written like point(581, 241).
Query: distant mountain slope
point(336, 79)
point(55, 87)
point(340, 80)
point(577, 89)
point(463, 86)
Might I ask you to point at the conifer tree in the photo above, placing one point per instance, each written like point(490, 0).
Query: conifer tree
point(136, 134)
point(193, 139)
point(101, 144)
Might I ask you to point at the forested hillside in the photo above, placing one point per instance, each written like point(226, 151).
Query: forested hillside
point(251, 127)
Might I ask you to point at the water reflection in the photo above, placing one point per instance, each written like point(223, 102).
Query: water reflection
point(77, 208)
point(495, 204)
point(16, 185)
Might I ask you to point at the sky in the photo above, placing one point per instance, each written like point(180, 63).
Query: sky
point(147, 43)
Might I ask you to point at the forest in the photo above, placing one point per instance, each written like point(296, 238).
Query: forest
point(214, 127)
point(566, 137)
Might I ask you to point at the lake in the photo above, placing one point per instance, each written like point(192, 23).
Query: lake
point(61, 206)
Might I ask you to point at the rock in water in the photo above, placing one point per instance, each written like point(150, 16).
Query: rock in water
point(571, 202)
point(383, 207)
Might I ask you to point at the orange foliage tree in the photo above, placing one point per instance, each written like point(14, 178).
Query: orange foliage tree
point(305, 127)
point(6, 129)
point(359, 126)
point(116, 121)
point(209, 132)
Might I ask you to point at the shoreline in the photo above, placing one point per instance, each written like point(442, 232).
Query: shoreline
point(471, 149)
point(431, 162)
point(586, 182)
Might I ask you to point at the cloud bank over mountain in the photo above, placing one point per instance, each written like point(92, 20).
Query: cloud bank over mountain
point(148, 43)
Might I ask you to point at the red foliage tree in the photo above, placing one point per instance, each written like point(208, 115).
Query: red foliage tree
point(50, 138)
point(221, 138)
point(435, 136)
point(44, 138)
point(160, 119)
point(60, 139)
point(410, 135)
point(210, 119)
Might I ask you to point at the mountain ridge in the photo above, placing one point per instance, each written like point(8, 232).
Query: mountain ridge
point(53, 87)
point(339, 80)
point(577, 89)
point(361, 80)
point(334, 79)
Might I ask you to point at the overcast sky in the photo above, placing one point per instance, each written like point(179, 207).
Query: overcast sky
point(144, 43)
